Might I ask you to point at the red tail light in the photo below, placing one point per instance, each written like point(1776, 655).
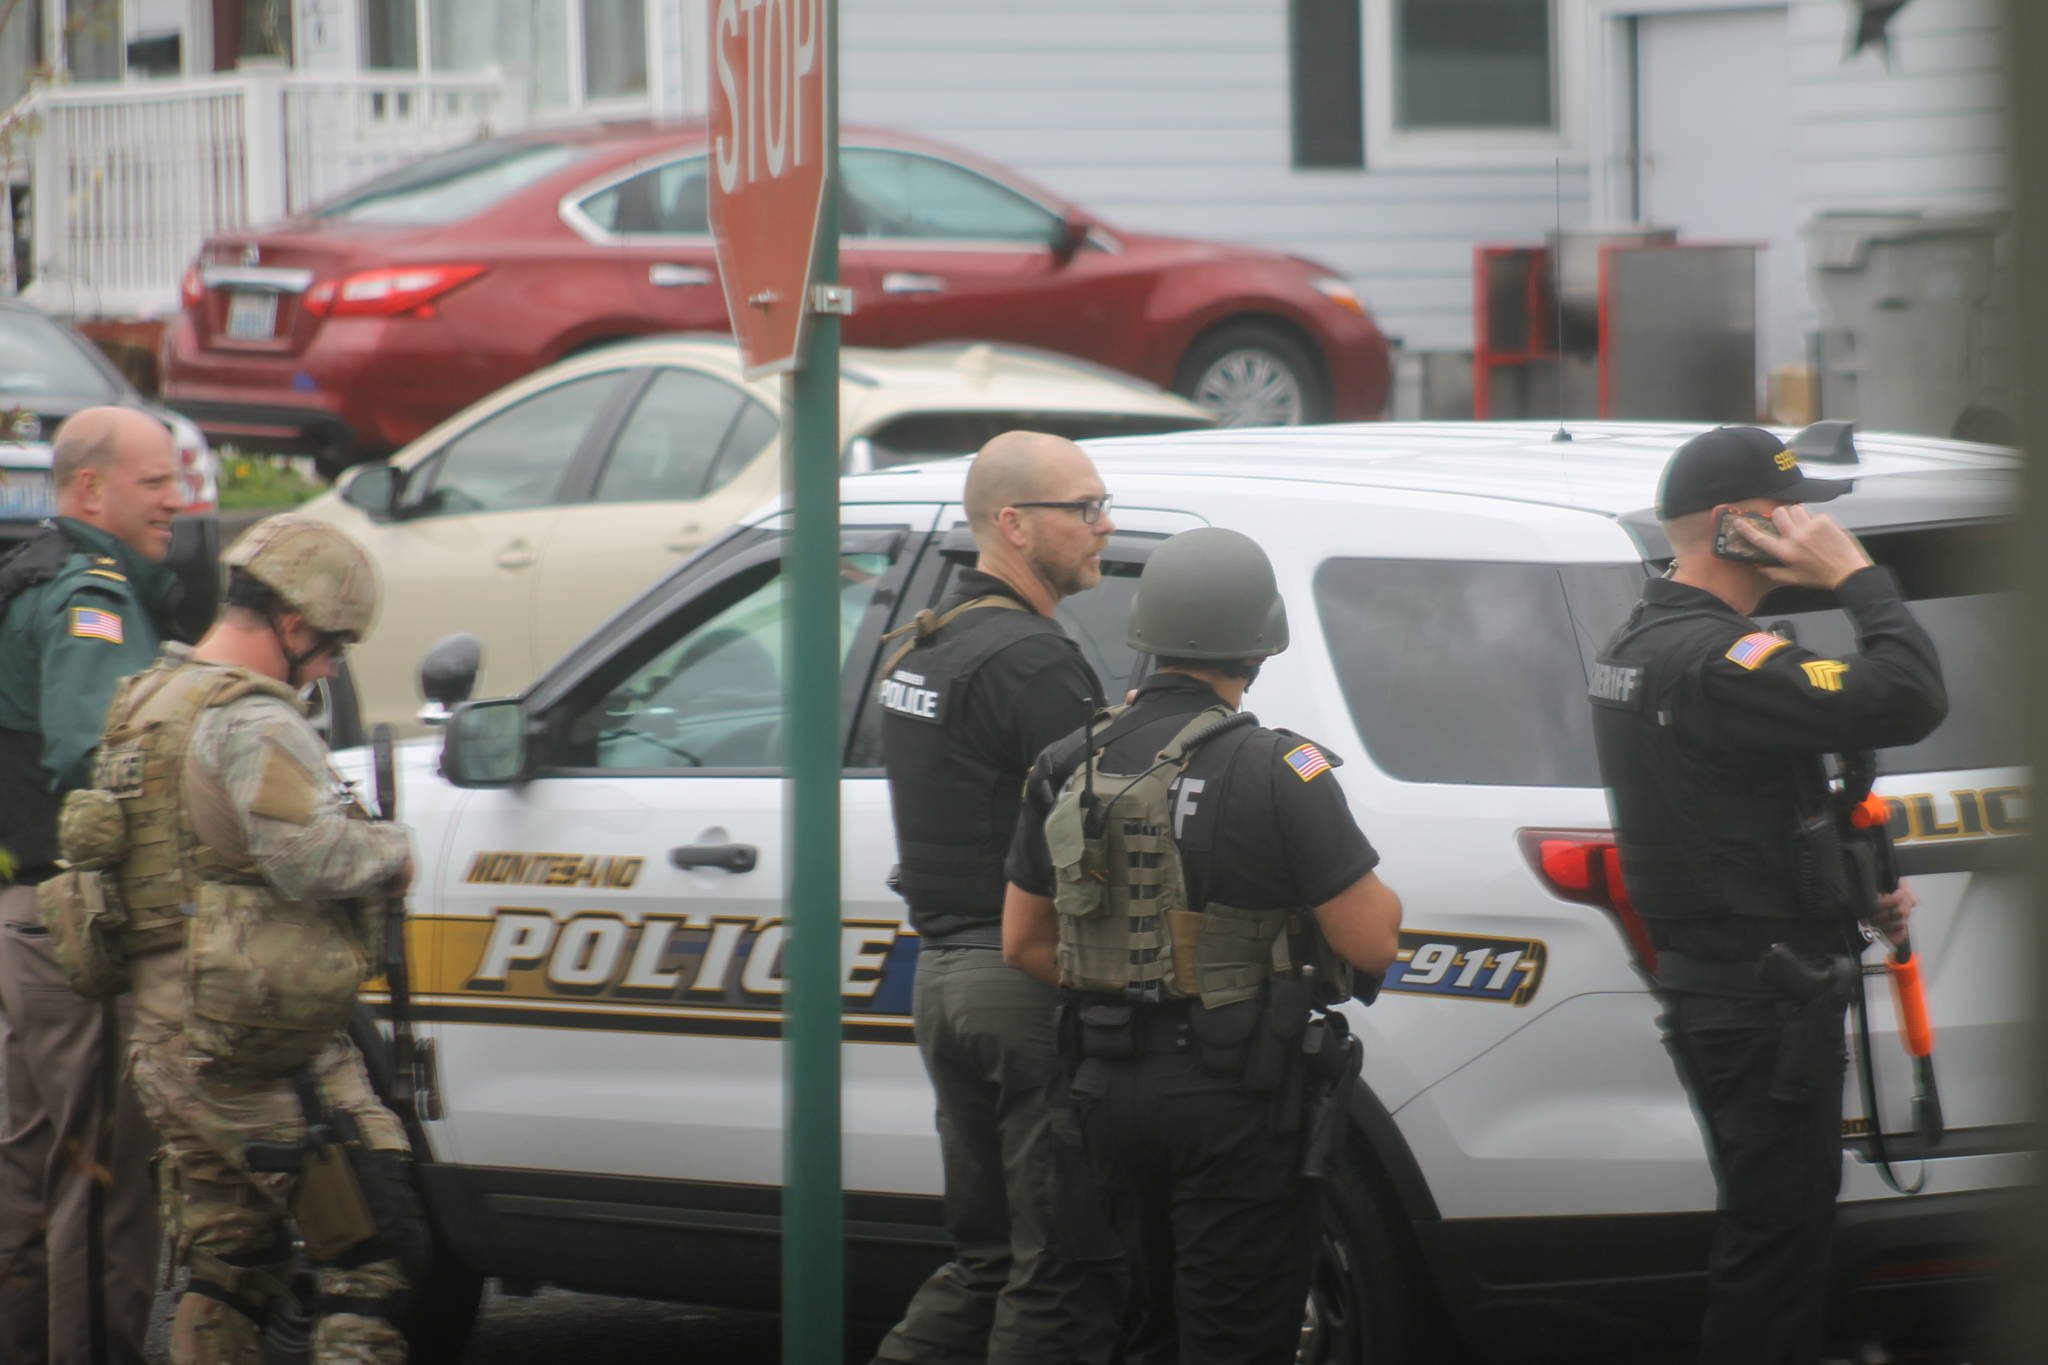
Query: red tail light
point(1584, 866)
point(192, 289)
point(387, 292)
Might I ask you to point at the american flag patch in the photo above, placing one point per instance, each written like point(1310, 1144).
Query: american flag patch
point(1752, 649)
point(1307, 760)
point(94, 624)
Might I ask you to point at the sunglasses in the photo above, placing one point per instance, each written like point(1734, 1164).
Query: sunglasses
point(1091, 509)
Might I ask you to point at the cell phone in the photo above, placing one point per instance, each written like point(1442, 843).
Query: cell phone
point(1730, 543)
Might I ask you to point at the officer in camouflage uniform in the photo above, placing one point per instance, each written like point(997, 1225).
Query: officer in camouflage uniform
point(240, 1052)
point(83, 603)
point(1195, 883)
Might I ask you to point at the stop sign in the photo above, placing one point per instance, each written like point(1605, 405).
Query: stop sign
point(769, 159)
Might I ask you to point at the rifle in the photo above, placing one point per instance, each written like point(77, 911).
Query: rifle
point(1864, 821)
point(405, 1089)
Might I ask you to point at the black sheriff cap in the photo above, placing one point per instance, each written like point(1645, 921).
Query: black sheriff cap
point(1729, 464)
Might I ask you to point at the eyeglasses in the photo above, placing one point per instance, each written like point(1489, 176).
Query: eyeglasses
point(1091, 509)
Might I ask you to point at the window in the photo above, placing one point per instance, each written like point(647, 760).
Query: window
point(1488, 683)
point(517, 458)
point(614, 49)
point(918, 436)
point(570, 52)
point(1470, 82)
point(667, 200)
point(898, 194)
point(1329, 95)
point(669, 448)
point(451, 186)
point(712, 697)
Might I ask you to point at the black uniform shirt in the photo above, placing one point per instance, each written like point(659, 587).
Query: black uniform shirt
point(1792, 700)
point(1028, 695)
point(1257, 829)
point(1751, 707)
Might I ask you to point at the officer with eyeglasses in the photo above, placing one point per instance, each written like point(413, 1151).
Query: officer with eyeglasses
point(977, 687)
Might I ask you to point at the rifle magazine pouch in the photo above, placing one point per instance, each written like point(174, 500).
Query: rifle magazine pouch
point(82, 911)
point(328, 1206)
point(1822, 867)
point(1109, 1032)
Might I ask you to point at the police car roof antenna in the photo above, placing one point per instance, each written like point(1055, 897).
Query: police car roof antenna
point(1556, 293)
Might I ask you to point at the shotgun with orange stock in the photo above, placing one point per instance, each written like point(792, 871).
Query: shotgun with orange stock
point(1866, 837)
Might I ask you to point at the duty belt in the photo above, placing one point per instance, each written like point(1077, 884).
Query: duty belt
point(1700, 976)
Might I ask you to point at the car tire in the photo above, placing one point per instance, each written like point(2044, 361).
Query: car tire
point(1367, 1303)
point(1253, 374)
point(442, 1312)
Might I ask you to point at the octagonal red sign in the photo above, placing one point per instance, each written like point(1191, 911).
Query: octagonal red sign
point(769, 163)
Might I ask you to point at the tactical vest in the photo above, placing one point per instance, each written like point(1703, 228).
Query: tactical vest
point(954, 810)
point(1702, 831)
point(267, 980)
point(1125, 923)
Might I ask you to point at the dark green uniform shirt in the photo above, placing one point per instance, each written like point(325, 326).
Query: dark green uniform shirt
point(64, 645)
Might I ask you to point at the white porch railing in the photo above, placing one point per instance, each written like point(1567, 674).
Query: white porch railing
point(126, 181)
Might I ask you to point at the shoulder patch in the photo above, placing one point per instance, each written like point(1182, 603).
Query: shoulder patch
point(285, 791)
point(91, 623)
point(1752, 649)
point(1307, 761)
point(1824, 674)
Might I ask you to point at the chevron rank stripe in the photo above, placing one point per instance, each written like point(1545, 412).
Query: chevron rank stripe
point(1825, 674)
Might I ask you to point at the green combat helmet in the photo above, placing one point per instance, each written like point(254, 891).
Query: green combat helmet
point(315, 569)
point(1208, 594)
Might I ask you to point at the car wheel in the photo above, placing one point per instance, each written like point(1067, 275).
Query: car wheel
point(1367, 1304)
point(1252, 375)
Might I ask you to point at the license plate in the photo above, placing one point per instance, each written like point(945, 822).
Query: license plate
point(26, 494)
point(252, 314)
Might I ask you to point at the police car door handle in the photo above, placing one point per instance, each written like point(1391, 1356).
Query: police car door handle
point(517, 555)
point(904, 282)
point(731, 857)
point(667, 275)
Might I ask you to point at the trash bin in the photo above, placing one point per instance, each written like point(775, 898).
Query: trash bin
point(1911, 323)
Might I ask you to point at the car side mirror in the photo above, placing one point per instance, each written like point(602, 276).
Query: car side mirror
point(486, 744)
point(373, 489)
point(859, 457)
point(448, 676)
point(1070, 238)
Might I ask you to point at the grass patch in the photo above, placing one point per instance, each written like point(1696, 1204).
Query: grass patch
point(259, 481)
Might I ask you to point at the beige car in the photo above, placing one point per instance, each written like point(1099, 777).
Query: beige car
point(531, 516)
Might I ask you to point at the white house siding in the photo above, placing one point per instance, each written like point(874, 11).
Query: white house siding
point(1926, 134)
point(1174, 116)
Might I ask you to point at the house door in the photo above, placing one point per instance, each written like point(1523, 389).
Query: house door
point(1713, 100)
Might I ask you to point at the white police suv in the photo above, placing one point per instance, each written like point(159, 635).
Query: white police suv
point(596, 945)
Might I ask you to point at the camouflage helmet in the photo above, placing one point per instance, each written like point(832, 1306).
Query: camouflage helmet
point(1208, 594)
point(314, 569)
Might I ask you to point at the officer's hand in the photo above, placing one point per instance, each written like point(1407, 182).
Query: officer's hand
point(1816, 550)
point(1894, 910)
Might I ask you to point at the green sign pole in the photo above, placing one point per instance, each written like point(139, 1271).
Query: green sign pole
point(813, 1260)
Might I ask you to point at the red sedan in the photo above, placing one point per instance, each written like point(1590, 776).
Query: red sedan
point(348, 331)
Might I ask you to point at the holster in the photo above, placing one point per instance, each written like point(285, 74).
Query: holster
point(1811, 991)
point(327, 1201)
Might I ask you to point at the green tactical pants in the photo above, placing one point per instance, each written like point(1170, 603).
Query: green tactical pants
point(1036, 1276)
